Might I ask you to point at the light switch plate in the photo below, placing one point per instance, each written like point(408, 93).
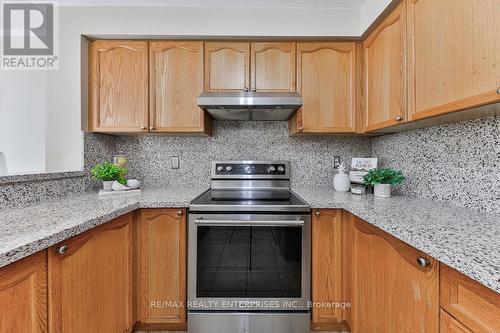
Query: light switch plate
point(336, 162)
point(175, 162)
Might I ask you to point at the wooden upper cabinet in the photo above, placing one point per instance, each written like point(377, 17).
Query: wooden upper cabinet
point(385, 72)
point(90, 280)
point(391, 292)
point(176, 80)
point(273, 67)
point(23, 295)
point(162, 266)
point(453, 55)
point(118, 86)
point(227, 66)
point(326, 81)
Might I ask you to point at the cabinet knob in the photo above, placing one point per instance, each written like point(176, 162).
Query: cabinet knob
point(246, 89)
point(151, 128)
point(143, 127)
point(317, 213)
point(62, 249)
point(301, 129)
point(254, 89)
point(423, 262)
point(399, 118)
point(498, 91)
point(179, 213)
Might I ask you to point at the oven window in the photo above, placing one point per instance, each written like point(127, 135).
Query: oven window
point(249, 262)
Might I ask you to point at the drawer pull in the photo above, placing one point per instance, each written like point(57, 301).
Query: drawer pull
point(423, 262)
point(399, 118)
point(63, 249)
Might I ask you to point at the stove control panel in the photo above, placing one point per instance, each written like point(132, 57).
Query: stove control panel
point(256, 169)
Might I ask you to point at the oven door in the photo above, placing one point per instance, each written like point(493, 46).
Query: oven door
point(249, 262)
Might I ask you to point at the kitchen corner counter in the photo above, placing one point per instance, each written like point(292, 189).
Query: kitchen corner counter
point(464, 239)
point(24, 231)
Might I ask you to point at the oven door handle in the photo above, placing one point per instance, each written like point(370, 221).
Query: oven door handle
point(243, 223)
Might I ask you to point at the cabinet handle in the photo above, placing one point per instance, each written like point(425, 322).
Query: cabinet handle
point(143, 127)
point(317, 213)
point(423, 262)
point(246, 89)
point(399, 118)
point(151, 128)
point(254, 89)
point(301, 129)
point(498, 91)
point(63, 249)
point(179, 213)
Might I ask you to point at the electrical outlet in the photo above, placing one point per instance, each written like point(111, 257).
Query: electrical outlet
point(336, 162)
point(175, 162)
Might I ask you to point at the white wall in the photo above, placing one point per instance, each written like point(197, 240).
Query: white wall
point(370, 11)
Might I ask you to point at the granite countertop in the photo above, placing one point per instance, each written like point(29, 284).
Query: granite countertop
point(462, 238)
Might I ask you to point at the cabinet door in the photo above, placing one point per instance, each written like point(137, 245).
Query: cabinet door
point(391, 291)
point(385, 72)
point(453, 55)
point(90, 280)
point(273, 67)
point(448, 324)
point(227, 66)
point(176, 81)
point(327, 269)
point(118, 86)
point(326, 80)
point(23, 295)
point(162, 237)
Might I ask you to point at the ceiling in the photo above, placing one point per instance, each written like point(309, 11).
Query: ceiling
point(354, 4)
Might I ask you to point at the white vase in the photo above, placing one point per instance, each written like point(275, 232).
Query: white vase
point(341, 181)
point(382, 190)
point(107, 185)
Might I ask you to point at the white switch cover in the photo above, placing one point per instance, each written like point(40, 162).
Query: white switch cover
point(175, 162)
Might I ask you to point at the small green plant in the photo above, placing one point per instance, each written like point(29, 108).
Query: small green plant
point(108, 171)
point(383, 176)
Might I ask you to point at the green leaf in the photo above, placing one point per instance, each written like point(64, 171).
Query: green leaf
point(108, 171)
point(384, 176)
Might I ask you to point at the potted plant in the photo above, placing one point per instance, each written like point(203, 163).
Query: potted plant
point(382, 179)
point(108, 173)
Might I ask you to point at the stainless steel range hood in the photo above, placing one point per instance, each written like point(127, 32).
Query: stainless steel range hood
point(250, 105)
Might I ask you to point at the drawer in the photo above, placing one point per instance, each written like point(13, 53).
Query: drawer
point(448, 324)
point(471, 303)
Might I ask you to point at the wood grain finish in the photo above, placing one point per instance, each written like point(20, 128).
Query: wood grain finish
point(453, 55)
point(326, 266)
point(227, 66)
point(385, 72)
point(448, 324)
point(390, 291)
point(162, 237)
point(273, 67)
point(23, 295)
point(176, 81)
point(118, 86)
point(471, 303)
point(326, 80)
point(90, 285)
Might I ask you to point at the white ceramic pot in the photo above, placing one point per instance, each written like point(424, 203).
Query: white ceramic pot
point(341, 182)
point(382, 190)
point(133, 183)
point(107, 185)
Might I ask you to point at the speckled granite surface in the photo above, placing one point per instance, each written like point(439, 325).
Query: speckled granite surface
point(462, 238)
point(24, 231)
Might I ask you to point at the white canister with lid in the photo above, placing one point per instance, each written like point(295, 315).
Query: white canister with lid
point(341, 181)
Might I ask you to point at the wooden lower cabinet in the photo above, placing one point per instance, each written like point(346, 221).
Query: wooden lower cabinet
point(448, 324)
point(90, 280)
point(390, 291)
point(23, 295)
point(161, 256)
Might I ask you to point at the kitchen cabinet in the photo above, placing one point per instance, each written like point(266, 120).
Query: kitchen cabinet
point(273, 67)
point(118, 86)
point(23, 295)
point(472, 304)
point(394, 287)
point(162, 266)
point(176, 81)
point(227, 66)
point(327, 269)
point(326, 75)
point(385, 72)
point(90, 280)
point(453, 55)
point(448, 324)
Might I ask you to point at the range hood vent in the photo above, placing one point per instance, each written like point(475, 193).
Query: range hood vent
point(250, 105)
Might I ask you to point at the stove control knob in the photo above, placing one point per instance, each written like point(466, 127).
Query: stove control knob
point(248, 169)
point(229, 168)
point(271, 169)
point(281, 168)
point(219, 168)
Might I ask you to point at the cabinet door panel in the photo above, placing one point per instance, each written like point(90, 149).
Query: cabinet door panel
point(227, 66)
point(118, 86)
point(448, 324)
point(326, 80)
point(90, 284)
point(391, 292)
point(273, 67)
point(176, 82)
point(23, 295)
point(163, 266)
point(454, 58)
point(385, 72)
